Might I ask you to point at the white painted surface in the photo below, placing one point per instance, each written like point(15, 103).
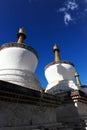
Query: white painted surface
point(21, 77)
point(17, 65)
point(60, 78)
point(18, 58)
point(59, 72)
point(62, 86)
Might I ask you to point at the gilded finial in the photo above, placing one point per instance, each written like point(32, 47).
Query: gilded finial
point(78, 83)
point(21, 35)
point(56, 52)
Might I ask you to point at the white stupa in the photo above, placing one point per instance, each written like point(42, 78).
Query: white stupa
point(83, 88)
point(60, 74)
point(18, 63)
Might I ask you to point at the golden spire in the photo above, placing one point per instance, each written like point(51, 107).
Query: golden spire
point(78, 83)
point(56, 52)
point(21, 35)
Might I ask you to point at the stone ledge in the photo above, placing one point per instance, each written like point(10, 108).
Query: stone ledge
point(14, 93)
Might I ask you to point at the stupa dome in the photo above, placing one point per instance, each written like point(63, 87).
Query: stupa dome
point(18, 55)
point(59, 71)
point(18, 62)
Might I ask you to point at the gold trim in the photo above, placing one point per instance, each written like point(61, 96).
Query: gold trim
point(21, 35)
point(78, 82)
point(56, 53)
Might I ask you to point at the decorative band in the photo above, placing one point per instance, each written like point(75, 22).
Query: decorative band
point(19, 45)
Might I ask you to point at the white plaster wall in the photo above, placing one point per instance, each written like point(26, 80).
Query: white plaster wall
point(20, 77)
point(62, 86)
point(17, 65)
point(18, 58)
point(59, 72)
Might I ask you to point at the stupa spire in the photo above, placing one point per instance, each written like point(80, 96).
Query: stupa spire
point(21, 35)
point(56, 53)
point(78, 82)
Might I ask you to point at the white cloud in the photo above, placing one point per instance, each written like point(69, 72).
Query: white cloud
point(67, 18)
point(71, 5)
point(63, 9)
point(73, 10)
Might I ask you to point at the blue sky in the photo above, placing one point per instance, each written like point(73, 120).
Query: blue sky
point(47, 22)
